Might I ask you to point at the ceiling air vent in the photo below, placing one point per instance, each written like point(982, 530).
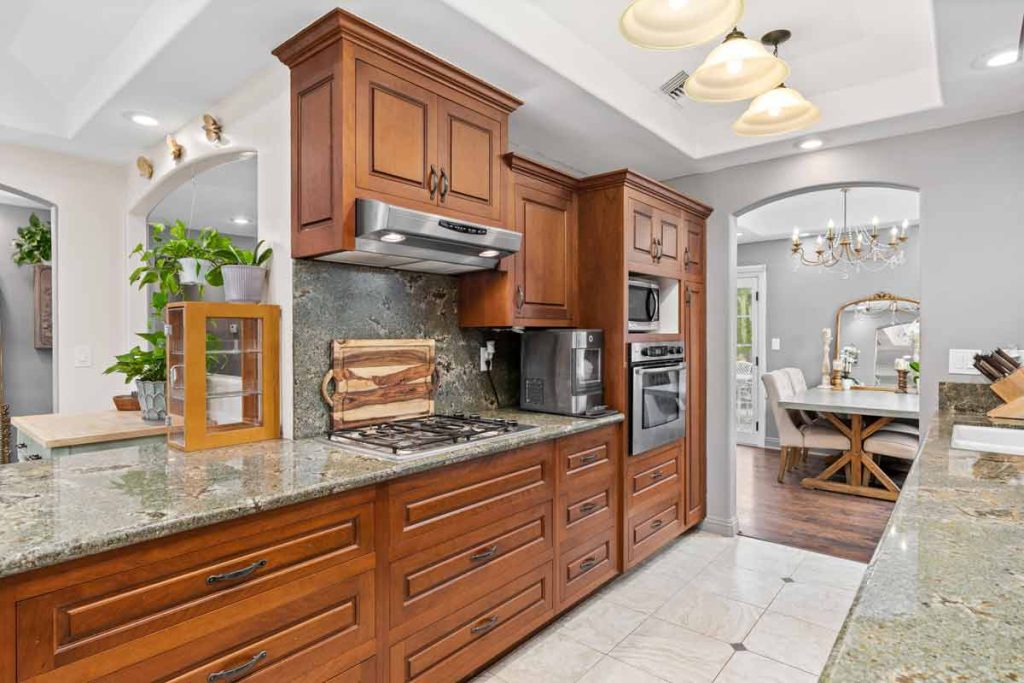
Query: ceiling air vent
point(673, 87)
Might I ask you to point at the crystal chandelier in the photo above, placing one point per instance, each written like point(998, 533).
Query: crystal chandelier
point(853, 247)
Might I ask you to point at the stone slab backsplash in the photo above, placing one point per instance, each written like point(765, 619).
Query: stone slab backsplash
point(335, 301)
point(963, 397)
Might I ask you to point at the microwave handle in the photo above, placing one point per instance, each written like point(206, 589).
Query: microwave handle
point(652, 297)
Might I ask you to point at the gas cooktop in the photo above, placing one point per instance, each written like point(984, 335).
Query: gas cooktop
point(422, 436)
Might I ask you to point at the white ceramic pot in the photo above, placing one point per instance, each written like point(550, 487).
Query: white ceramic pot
point(193, 271)
point(244, 284)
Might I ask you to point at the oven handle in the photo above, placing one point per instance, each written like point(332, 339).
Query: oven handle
point(647, 369)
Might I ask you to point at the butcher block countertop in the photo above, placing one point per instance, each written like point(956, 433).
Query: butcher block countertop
point(57, 431)
point(53, 511)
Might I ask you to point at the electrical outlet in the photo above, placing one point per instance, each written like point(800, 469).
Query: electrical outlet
point(83, 357)
point(776, 344)
point(961, 361)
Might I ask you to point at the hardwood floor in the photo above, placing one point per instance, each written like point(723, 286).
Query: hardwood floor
point(831, 523)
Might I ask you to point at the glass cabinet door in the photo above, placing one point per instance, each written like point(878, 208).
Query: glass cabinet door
point(234, 381)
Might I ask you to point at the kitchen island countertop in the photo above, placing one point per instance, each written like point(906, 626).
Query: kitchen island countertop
point(943, 597)
point(57, 510)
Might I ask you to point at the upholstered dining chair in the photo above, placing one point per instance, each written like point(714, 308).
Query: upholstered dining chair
point(799, 382)
point(794, 436)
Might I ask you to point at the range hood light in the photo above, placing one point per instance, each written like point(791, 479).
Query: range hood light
point(392, 237)
point(489, 253)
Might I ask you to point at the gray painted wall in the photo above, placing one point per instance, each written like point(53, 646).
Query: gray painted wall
point(801, 302)
point(28, 372)
point(971, 179)
point(336, 301)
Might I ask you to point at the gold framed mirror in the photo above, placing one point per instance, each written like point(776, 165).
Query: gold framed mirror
point(872, 332)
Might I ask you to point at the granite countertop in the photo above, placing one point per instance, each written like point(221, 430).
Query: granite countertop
point(57, 510)
point(55, 430)
point(943, 597)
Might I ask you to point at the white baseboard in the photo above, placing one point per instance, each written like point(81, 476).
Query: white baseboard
point(722, 527)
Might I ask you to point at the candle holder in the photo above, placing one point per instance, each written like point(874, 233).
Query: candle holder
point(901, 381)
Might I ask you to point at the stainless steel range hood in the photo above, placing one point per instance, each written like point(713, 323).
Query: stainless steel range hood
point(392, 237)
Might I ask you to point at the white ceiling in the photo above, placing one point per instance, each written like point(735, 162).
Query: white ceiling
point(811, 211)
point(69, 70)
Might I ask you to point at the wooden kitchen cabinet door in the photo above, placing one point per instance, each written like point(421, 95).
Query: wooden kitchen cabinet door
point(695, 479)
point(396, 132)
point(671, 241)
point(693, 256)
point(640, 231)
point(545, 267)
point(471, 146)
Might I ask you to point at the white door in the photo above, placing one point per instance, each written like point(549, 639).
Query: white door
point(749, 354)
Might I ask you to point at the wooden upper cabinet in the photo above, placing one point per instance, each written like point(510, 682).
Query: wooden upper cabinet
point(640, 232)
point(374, 116)
point(671, 241)
point(471, 145)
point(396, 134)
point(538, 286)
point(693, 256)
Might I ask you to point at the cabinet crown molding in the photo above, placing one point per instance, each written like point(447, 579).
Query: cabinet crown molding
point(338, 24)
point(525, 166)
point(646, 185)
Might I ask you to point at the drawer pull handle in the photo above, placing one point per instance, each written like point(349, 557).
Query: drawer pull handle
point(657, 524)
point(238, 670)
point(485, 554)
point(588, 564)
point(237, 574)
point(484, 626)
point(589, 458)
point(656, 475)
point(587, 508)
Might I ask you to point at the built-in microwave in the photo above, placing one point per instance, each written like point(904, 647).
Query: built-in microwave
point(644, 304)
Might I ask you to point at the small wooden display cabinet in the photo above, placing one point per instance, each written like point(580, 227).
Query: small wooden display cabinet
point(222, 374)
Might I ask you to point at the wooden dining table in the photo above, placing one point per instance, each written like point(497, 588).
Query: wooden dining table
point(857, 414)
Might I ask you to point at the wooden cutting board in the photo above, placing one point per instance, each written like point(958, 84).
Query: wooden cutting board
point(376, 380)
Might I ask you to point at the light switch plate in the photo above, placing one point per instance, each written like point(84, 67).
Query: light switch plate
point(961, 361)
point(776, 344)
point(83, 357)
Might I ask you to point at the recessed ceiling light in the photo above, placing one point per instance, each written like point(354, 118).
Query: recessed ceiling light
point(141, 119)
point(392, 237)
point(810, 143)
point(1002, 58)
point(489, 253)
point(240, 220)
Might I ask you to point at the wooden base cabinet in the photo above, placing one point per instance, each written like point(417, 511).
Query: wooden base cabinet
point(374, 116)
point(537, 286)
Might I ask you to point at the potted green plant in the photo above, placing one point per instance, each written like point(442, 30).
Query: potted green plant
point(148, 369)
point(175, 259)
point(33, 244)
point(242, 272)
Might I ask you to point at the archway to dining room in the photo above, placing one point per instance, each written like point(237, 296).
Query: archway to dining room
point(823, 273)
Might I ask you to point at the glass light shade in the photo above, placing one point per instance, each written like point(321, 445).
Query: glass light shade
point(738, 69)
point(780, 110)
point(674, 24)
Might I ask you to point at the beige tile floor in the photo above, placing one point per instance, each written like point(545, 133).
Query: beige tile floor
point(739, 610)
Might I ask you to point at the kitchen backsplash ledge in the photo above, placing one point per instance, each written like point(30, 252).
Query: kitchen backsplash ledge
point(336, 301)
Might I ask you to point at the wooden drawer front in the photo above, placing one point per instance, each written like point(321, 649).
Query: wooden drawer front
point(649, 531)
point(455, 646)
point(587, 456)
point(365, 672)
point(587, 566)
point(654, 479)
point(456, 572)
point(329, 606)
point(587, 513)
point(429, 508)
point(84, 619)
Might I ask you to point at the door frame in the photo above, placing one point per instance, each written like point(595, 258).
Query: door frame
point(760, 350)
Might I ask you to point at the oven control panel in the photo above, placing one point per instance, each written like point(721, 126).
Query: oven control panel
point(640, 352)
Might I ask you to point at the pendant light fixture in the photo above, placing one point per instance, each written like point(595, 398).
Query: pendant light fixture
point(675, 24)
point(738, 69)
point(781, 109)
